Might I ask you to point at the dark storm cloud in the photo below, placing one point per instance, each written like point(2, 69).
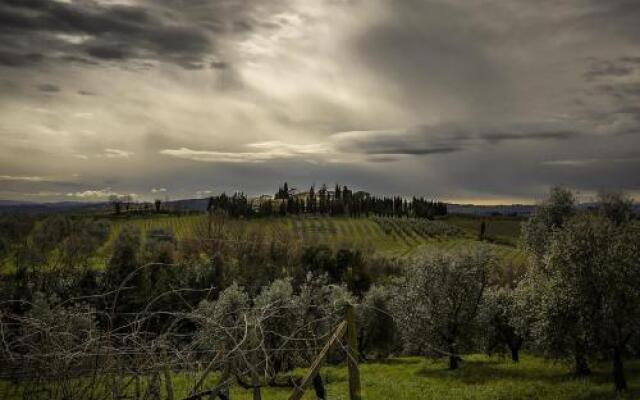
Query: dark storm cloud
point(414, 151)
point(109, 52)
point(396, 154)
point(608, 69)
point(48, 88)
point(616, 95)
point(14, 59)
point(616, 16)
point(104, 32)
point(78, 60)
point(621, 90)
point(220, 65)
point(186, 34)
point(543, 135)
point(631, 60)
point(426, 140)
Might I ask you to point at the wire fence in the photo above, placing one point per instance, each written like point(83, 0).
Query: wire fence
point(69, 350)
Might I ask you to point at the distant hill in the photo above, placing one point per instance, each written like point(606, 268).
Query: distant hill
point(519, 210)
point(9, 203)
point(26, 207)
point(188, 204)
point(11, 206)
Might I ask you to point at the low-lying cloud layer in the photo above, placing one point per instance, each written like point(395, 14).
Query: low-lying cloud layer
point(459, 100)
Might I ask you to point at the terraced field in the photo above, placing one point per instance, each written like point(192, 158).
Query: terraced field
point(389, 236)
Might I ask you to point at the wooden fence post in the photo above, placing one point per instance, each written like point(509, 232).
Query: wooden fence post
point(352, 355)
point(255, 379)
point(317, 363)
point(166, 371)
point(206, 371)
point(153, 388)
point(137, 391)
point(168, 385)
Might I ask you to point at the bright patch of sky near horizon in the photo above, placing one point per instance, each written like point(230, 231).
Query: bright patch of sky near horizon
point(490, 101)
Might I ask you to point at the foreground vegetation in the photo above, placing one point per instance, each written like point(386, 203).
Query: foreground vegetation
point(264, 295)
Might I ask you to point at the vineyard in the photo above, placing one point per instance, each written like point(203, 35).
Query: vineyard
point(397, 237)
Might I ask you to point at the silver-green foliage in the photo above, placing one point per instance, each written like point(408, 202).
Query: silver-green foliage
point(436, 303)
point(54, 342)
point(275, 331)
point(376, 325)
point(615, 206)
point(222, 322)
point(548, 217)
point(594, 285)
point(278, 308)
point(500, 322)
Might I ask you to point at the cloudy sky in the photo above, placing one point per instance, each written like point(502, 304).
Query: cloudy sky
point(479, 101)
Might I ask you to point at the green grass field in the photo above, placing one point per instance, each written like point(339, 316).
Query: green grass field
point(480, 377)
point(411, 378)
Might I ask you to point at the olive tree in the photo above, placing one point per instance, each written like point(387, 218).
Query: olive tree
point(593, 290)
point(548, 217)
point(222, 323)
point(376, 325)
point(273, 332)
point(615, 206)
point(436, 302)
point(278, 308)
point(537, 235)
point(498, 317)
point(53, 344)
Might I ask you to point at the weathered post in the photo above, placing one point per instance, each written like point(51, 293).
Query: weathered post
point(222, 389)
point(206, 371)
point(137, 391)
point(352, 355)
point(255, 380)
point(166, 371)
point(154, 386)
point(168, 385)
point(317, 363)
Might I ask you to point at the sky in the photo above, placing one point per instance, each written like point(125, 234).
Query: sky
point(485, 101)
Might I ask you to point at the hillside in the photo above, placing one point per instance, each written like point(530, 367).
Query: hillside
point(388, 236)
